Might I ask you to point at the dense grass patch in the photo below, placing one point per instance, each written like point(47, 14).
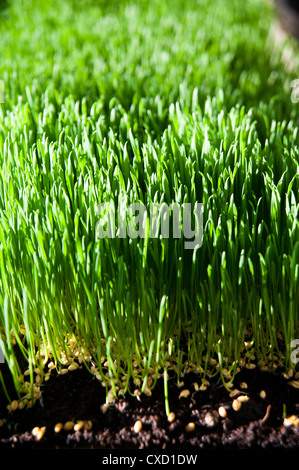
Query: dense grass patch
point(179, 101)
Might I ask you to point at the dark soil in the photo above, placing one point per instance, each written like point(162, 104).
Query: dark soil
point(78, 395)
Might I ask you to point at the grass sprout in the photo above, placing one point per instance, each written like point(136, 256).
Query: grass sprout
point(172, 102)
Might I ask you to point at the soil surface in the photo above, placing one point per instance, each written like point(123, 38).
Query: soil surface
point(78, 395)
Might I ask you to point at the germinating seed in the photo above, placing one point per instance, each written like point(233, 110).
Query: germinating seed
point(243, 398)
point(68, 426)
point(236, 405)
point(35, 431)
point(78, 426)
point(110, 396)
point(243, 385)
point(190, 427)
point(291, 421)
point(149, 381)
point(222, 412)
point(87, 425)
point(171, 417)
point(263, 394)
point(184, 393)
point(294, 383)
point(40, 434)
point(13, 406)
point(137, 426)
point(251, 366)
point(104, 408)
point(58, 427)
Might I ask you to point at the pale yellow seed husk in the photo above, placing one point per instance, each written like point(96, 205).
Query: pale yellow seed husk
point(88, 425)
point(58, 427)
point(79, 425)
point(291, 421)
point(190, 427)
point(243, 398)
point(243, 385)
point(222, 412)
point(137, 426)
point(262, 394)
point(184, 393)
point(236, 405)
point(171, 417)
point(110, 396)
point(35, 431)
point(104, 408)
point(68, 426)
point(294, 383)
point(251, 366)
point(196, 386)
point(41, 433)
